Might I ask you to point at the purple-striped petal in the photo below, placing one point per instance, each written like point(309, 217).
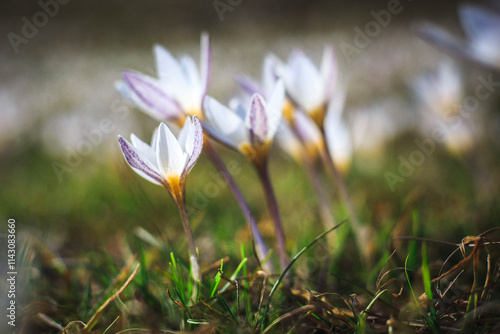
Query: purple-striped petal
point(138, 164)
point(444, 40)
point(152, 97)
point(479, 22)
point(248, 85)
point(257, 120)
point(197, 145)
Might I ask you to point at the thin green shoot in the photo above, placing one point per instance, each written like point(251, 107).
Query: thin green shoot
point(360, 327)
point(287, 268)
point(217, 279)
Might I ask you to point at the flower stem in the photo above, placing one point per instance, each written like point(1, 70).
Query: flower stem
point(272, 204)
point(321, 195)
point(261, 247)
point(360, 231)
point(190, 240)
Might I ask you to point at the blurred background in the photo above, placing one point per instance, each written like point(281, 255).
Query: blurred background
point(62, 174)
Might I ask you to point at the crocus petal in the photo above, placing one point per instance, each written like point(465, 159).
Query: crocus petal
point(337, 135)
point(288, 141)
point(275, 109)
point(225, 122)
point(329, 71)
point(269, 73)
point(256, 120)
point(190, 70)
point(205, 62)
point(303, 82)
point(139, 164)
point(444, 40)
point(248, 85)
point(185, 137)
point(147, 93)
point(148, 153)
point(478, 22)
point(335, 106)
point(125, 91)
point(217, 135)
point(197, 144)
point(339, 145)
point(238, 107)
point(190, 98)
point(168, 69)
point(306, 129)
point(171, 158)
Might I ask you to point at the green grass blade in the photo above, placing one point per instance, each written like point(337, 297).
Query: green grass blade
point(217, 280)
point(288, 267)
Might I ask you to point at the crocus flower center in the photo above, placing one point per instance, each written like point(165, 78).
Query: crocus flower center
point(195, 112)
point(288, 110)
point(255, 153)
point(174, 183)
point(318, 115)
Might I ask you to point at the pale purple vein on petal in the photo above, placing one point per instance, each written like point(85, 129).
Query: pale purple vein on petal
point(257, 120)
point(197, 145)
point(138, 164)
point(152, 95)
point(249, 85)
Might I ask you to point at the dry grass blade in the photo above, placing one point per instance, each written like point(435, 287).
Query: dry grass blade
point(49, 321)
point(465, 260)
point(299, 310)
point(390, 282)
point(101, 309)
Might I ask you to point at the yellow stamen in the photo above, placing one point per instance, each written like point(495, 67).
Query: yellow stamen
point(318, 115)
point(256, 154)
point(174, 185)
point(195, 112)
point(288, 110)
point(313, 149)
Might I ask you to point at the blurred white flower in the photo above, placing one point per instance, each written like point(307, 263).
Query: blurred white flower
point(308, 86)
point(179, 89)
point(482, 31)
point(268, 79)
point(309, 134)
point(441, 91)
point(337, 134)
point(249, 130)
point(440, 96)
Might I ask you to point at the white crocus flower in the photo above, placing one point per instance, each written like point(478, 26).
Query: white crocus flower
point(249, 130)
point(167, 162)
point(440, 96)
point(168, 159)
point(308, 86)
point(440, 92)
point(482, 36)
point(268, 79)
point(338, 137)
point(179, 89)
point(483, 33)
